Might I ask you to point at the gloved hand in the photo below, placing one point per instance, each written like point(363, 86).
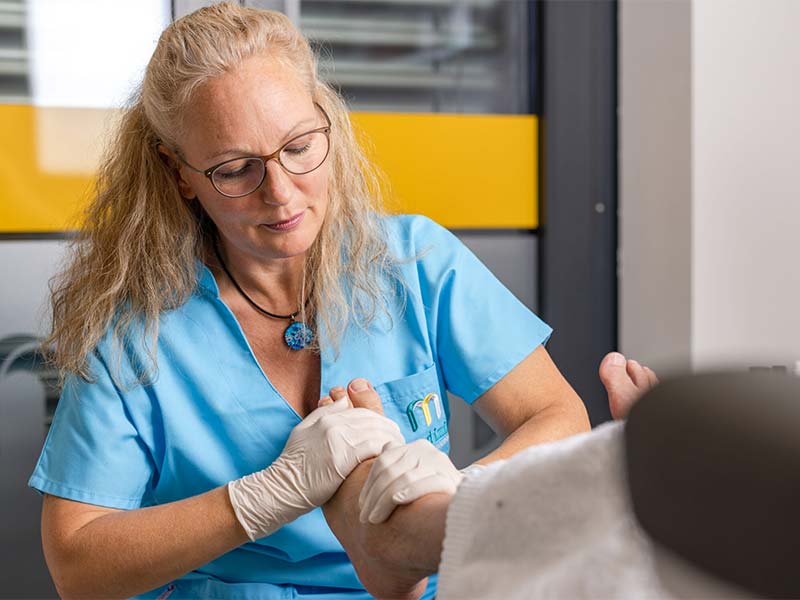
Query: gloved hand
point(320, 453)
point(402, 474)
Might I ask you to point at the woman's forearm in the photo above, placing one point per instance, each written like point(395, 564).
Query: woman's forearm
point(125, 553)
point(548, 425)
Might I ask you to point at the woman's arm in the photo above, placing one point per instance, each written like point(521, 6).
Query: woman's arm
point(98, 552)
point(531, 404)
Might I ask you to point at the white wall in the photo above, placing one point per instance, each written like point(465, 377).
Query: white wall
point(746, 206)
point(655, 182)
point(709, 179)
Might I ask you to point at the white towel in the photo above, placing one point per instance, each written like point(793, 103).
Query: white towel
point(553, 521)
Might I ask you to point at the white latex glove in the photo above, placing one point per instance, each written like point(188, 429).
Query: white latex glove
point(402, 474)
point(320, 453)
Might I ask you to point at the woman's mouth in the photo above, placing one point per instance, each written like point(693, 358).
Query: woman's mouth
point(287, 225)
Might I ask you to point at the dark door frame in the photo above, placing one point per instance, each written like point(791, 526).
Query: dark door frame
point(577, 98)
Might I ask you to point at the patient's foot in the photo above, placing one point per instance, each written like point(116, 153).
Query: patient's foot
point(361, 393)
point(625, 382)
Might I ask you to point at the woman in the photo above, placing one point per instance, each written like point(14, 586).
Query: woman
point(234, 267)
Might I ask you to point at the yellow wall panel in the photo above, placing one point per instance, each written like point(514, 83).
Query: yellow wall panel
point(35, 194)
point(464, 171)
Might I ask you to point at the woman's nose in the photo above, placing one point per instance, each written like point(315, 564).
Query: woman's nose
point(278, 185)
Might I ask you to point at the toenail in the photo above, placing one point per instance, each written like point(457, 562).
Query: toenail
point(358, 385)
point(617, 359)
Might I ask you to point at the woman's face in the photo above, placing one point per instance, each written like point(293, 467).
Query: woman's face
point(253, 111)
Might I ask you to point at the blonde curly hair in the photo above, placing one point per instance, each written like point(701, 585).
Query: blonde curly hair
point(135, 254)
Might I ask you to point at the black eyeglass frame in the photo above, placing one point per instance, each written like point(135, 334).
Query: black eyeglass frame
point(209, 172)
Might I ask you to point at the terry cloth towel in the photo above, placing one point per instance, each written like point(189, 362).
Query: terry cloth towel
point(554, 521)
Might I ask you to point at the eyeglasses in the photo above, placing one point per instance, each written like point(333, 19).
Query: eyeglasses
point(237, 177)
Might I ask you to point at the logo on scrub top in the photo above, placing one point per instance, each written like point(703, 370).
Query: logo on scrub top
point(437, 432)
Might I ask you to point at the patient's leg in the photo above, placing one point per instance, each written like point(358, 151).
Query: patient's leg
point(625, 382)
point(394, 558)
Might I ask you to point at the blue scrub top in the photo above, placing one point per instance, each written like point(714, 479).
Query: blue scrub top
point(212, 416)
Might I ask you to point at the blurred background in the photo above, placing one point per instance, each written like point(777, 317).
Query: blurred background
point(628, 169)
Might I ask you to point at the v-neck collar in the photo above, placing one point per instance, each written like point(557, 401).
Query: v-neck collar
point(208, 285)
point(205, 279)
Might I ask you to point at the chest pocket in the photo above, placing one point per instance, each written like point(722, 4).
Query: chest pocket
point(417, 403)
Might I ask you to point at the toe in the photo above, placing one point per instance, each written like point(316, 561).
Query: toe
point(337, 393)
point(325, 400)
point(363, 395)
point(652, 378)
point(638, 375)
point(622, 392)
point(612, 370)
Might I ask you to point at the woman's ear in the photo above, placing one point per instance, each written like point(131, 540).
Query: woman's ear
point(175, 167)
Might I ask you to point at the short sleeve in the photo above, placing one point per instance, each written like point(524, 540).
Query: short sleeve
point(479, 329)
point(93, 452)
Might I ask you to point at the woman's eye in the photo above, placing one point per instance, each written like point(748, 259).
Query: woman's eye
point(234, 172)
point(296, 150)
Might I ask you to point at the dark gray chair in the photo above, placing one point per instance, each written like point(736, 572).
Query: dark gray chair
point(714, 473)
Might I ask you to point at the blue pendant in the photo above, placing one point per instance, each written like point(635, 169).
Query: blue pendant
point(297, 335)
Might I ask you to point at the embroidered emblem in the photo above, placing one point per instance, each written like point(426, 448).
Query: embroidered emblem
point(424, 405)
point(437, 435)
